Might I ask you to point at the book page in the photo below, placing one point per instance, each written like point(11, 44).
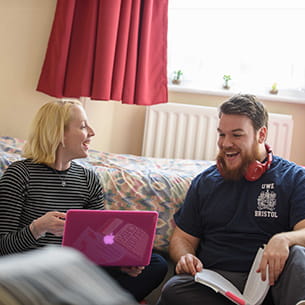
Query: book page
point(255, 289)
point(216, 281)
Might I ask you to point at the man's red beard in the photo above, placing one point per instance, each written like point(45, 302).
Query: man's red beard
point(238, 172)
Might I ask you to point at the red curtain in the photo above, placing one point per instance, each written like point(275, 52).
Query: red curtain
point(108, 50)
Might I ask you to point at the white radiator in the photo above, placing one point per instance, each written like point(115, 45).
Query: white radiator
point(190, 132)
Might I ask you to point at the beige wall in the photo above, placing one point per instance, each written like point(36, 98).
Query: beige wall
point(23, 38)
point(24, 32)
point(118, 127)
point(297, 110)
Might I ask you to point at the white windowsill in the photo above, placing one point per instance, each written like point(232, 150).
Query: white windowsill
point(296, 96)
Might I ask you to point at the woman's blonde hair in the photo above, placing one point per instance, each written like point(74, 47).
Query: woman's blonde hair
point(47, 131)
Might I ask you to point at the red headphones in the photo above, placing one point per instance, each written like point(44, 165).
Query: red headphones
point(256, 169)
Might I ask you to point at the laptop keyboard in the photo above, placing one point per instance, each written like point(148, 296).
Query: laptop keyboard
point(132, 238)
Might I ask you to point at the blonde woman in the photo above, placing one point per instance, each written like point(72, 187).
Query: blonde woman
point(36, 192)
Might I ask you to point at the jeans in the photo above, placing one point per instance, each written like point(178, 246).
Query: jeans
point(288, 289)
point(142, 285)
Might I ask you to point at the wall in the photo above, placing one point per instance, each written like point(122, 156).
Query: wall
point(23, 38)
point(24, 33)
point(297, 110)
point(118, 127)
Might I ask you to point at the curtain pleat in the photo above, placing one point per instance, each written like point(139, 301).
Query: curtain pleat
point(81, 60)
point(108, 50)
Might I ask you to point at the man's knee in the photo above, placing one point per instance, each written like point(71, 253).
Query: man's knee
point(172, 291)
point(296, 257)
point(286, 291)
point(297, 250)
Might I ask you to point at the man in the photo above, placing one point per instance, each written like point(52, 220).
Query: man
point(249, 198)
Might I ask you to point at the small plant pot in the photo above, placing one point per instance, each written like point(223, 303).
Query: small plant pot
point(226, 87)
point(273, 91)
point(176, 81)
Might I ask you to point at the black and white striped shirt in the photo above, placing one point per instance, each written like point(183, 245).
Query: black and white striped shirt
point(29, 190)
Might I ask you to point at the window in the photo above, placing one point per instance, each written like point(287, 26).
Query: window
point(257, 43)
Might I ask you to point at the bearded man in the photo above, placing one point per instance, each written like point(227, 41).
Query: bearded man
point(249, 198)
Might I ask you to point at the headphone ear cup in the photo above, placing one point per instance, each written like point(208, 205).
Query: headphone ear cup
point(254, 171)
point(256, 168)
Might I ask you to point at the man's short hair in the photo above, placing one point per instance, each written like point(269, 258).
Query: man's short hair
point(248, 105)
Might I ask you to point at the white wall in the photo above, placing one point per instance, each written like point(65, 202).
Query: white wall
point(24, 31)
point(297, 110)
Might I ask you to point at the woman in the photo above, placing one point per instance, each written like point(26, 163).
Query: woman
point(36, 192)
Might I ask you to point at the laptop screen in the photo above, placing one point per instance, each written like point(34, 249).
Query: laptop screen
point(112, 238)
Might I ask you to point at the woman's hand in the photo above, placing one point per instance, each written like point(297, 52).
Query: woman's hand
point(51, 222)
point(133, 271)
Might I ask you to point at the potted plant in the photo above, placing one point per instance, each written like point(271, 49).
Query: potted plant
point(274, 89)
point(226, 79)
point(177, 77)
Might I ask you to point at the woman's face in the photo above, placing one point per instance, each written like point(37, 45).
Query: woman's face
point(77, 134)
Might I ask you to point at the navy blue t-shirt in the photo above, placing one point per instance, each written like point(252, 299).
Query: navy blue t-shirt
point(234, 218)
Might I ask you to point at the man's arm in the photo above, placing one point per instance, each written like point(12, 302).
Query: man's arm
point(182, 249)
point(298, 234)
point(277, 251)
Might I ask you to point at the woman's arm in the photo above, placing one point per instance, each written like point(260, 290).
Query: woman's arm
point(13, 187)
point(96, 193)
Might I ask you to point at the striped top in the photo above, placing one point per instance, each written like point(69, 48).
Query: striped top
point(29, 190)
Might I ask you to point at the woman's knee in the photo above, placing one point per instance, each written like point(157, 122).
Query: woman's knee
point(159, 264)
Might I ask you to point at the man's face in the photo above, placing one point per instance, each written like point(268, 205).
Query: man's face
point(238, 145)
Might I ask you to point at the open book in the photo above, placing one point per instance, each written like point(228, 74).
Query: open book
point(255, 289)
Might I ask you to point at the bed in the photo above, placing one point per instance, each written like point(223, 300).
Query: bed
point(132, 182)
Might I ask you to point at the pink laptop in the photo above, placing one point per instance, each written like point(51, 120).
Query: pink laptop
point(112, 237)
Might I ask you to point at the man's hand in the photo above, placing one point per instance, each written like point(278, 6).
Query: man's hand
point(182, 249)
point(189, 264)
point(275, 255)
